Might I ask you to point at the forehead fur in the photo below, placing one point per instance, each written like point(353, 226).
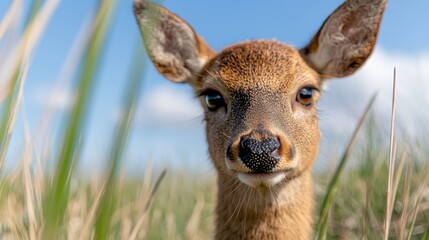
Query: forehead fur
point(265, 64)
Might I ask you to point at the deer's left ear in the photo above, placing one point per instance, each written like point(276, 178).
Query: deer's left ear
point(346, 39)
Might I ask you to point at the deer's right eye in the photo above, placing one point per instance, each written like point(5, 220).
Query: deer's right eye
point(214, 100)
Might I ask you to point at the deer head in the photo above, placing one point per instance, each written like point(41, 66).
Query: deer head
point(260, 97)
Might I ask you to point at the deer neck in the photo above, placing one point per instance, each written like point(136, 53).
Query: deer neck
point(248, 213)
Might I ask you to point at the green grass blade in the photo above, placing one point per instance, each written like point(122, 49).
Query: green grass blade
point(334, 183)
point(427, 232)
point(12, 101)
point(132, 92)
point(17, 80)
point(35, 7)
point(7, 119)
point(58, 195)
point(405, 200)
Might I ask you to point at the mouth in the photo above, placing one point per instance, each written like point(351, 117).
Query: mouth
point(266, 180)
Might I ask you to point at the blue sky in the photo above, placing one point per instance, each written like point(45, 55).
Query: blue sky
point(168, 126)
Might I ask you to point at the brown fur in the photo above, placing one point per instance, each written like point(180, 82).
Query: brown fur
point(281, 213)
point(259, 82)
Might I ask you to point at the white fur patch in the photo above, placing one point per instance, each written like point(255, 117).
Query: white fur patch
point(261, 179)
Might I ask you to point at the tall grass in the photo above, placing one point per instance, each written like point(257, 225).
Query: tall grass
point(58, 192)
point(332, 189)
point(39, 204)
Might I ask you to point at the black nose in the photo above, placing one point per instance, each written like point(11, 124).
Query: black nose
point(260, 156)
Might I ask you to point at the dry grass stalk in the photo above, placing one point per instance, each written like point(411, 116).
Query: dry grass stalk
point(405, 201)
point(193, 223)
point(8, 22)
point(397, 178)
point(90, 217)
point(9, 17)
point(419, 194)
point(20, 59)
point(390, 197)
point(29, 181)
point(140, 221)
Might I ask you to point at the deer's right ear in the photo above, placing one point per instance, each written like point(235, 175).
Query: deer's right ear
point(346, 39)
point(175, 49)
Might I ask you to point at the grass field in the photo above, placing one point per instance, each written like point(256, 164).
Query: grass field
point(182, 207)
point(36, 203)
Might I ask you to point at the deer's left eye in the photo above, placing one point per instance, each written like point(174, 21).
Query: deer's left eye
point(305, 96)
point(214, 100)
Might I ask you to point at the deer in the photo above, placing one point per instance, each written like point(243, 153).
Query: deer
point(259, 99)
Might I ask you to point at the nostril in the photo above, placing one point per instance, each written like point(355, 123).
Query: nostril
point(229, 153)
point(272, 144)
point(244, 143)
point(245, 149)
point(292, 152)
point(275, 153)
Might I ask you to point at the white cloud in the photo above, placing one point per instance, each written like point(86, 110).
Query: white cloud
point(59, 98)
point(344, 102)
point(167, 105)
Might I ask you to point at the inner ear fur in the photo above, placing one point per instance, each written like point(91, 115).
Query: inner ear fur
point(174, 48)
point(346, 38)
